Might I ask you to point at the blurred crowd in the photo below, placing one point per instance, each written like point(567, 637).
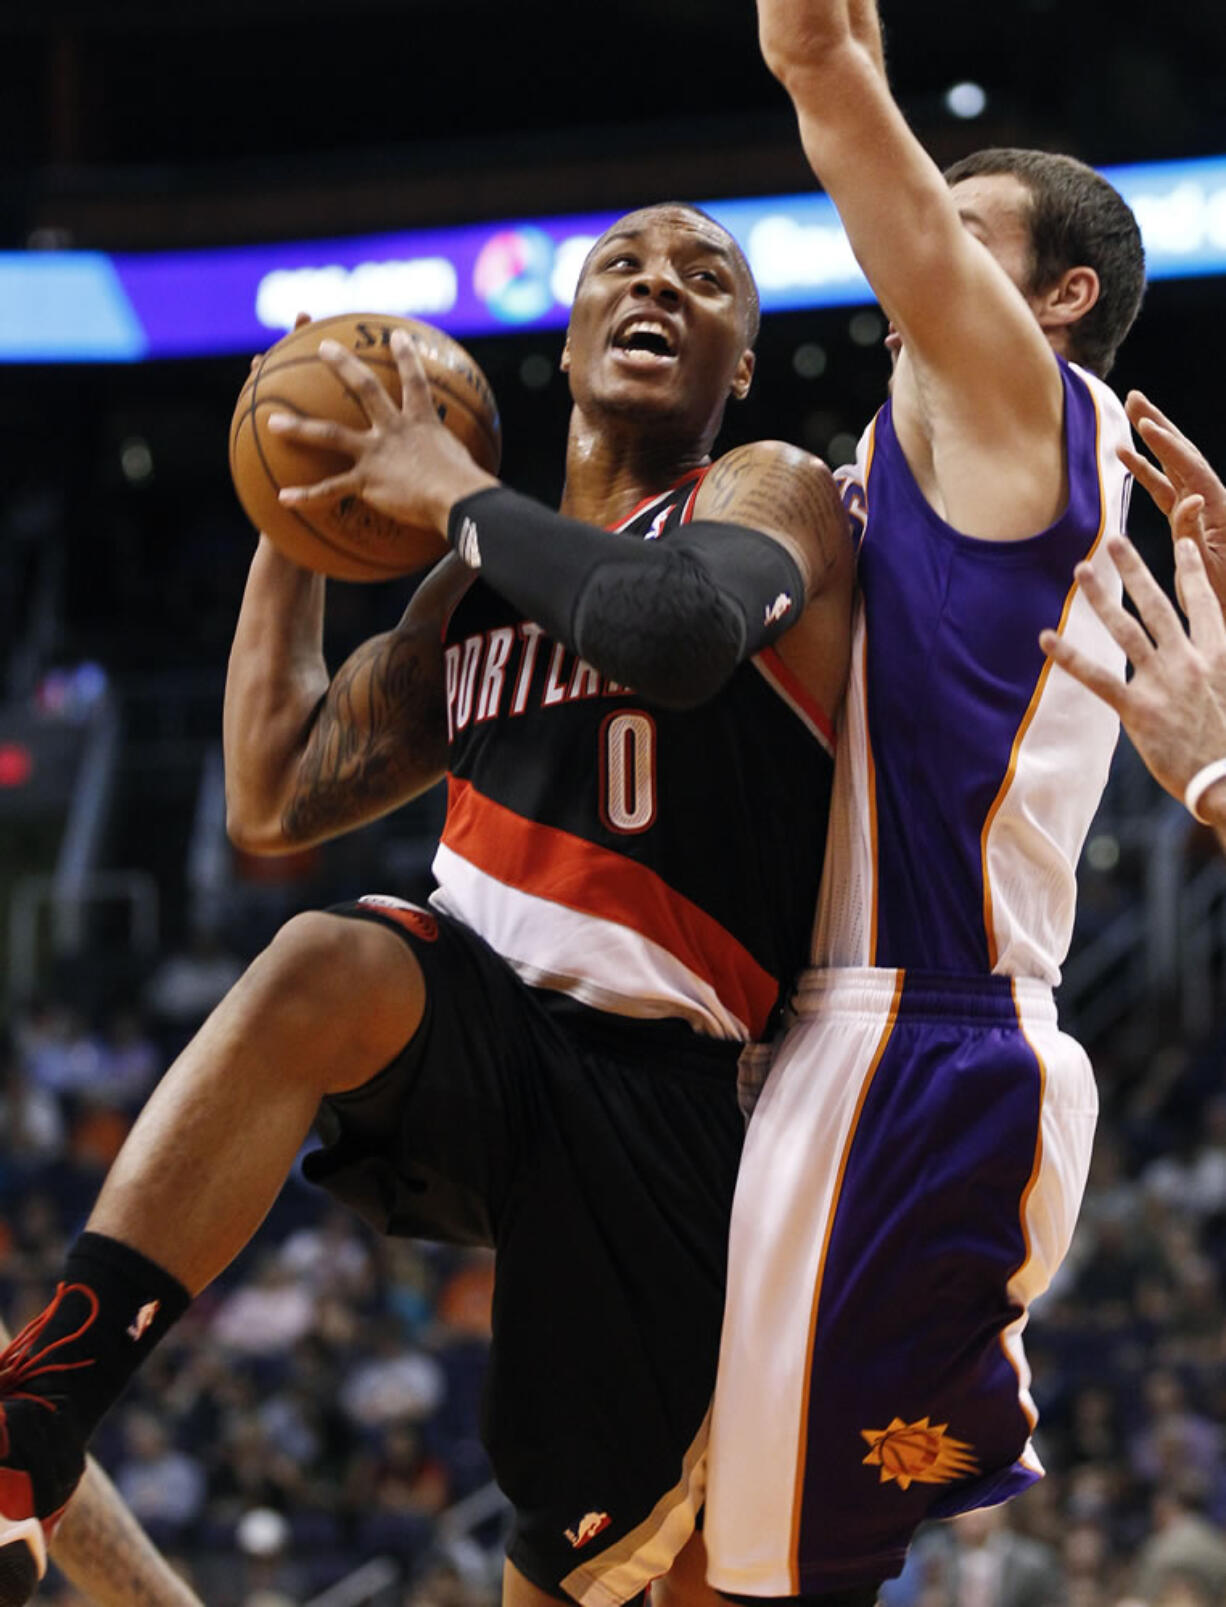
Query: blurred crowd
point(319, 1406)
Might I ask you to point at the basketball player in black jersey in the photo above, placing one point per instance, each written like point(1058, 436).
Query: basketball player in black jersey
point(630, 701)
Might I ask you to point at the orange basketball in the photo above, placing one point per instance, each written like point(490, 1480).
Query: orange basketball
point(348, 540)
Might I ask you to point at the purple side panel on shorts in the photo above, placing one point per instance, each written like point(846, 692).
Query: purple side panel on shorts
point(953, 663)
point(913, 1402)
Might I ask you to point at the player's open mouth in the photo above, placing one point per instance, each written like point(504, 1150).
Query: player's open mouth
point(645, 341)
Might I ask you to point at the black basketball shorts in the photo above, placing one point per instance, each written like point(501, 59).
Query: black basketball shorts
point(598, 1156)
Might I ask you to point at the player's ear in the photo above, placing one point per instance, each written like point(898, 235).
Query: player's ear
point(1070, 298)
point(564, 360)
point(742, 379)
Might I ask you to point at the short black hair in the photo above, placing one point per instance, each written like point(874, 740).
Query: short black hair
point(1077, 220)
point(753, 311)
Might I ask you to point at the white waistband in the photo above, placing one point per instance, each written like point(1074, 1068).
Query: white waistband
point(873, 991)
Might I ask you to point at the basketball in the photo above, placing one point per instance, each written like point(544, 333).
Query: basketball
point(349, 540)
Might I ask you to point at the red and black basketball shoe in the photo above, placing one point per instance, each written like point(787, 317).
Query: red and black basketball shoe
point(42, 1455)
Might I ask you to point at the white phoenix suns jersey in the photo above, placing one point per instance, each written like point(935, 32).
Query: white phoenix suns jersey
point(969, 767)
point(644, 861)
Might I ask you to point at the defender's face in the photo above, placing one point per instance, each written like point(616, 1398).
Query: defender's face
point(995, 208)
point(659, 320)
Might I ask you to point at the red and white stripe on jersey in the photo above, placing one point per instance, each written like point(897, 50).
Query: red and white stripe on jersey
point(568, 914)
point(791, 689)
point(663, 499)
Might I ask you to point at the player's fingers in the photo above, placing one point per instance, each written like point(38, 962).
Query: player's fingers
point(1083, 669)
point(1153, 605)
point(336, 485)
point(1124, 629)
point(317, 432)
point(1138, 406)
point(1199, 599)
point(1149, 475)
point(1178, 457)
point(414, 386)
point(361, 379)
point(1187, 523)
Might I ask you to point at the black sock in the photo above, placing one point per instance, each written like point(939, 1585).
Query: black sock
point(112, 1306)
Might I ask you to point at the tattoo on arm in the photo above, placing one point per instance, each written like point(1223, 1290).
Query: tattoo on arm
point(377, 738)
point(791, 498)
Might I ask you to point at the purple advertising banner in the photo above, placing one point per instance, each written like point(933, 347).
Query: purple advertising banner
point(483, 279)
point(470, 281)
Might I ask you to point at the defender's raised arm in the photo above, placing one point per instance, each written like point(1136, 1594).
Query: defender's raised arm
point(977, 302)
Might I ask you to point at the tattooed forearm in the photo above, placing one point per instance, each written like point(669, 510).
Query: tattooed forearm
point(378, 738)
point(781, 489)
point(109, 1557)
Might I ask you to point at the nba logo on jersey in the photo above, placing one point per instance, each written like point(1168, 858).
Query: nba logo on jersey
point(589, 1526)
point(656, 528)
point(140, 1324)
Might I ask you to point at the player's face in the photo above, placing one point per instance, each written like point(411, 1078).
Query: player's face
point(995, 208)
point(658, 326)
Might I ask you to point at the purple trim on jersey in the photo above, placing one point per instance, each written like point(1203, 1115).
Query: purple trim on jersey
point(927, 1234)
point(953, 662)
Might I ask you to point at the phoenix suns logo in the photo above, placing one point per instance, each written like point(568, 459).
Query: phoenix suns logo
point(918, 1453)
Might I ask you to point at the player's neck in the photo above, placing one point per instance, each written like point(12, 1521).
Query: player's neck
point(609, 472)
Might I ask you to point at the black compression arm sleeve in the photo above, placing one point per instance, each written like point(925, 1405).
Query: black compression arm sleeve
point(670, 618)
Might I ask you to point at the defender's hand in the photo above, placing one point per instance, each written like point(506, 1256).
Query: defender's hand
point(1182, 471)
point(1174, 707)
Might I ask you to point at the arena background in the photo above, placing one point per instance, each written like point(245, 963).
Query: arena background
point(317, 1410)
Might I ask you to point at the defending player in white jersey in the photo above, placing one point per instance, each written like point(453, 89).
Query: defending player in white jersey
point(916, 1159)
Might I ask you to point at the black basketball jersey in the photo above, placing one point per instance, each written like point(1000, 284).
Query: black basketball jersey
point(644, 861)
